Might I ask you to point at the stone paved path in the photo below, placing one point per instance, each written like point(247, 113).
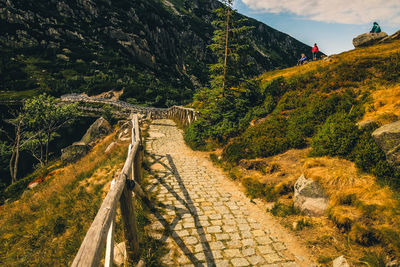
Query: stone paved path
point(205, 224)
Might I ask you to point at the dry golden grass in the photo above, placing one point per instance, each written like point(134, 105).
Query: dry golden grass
point(341, 178)
point(386, 105)
point(46, 226)
point(366, 211)
point(383, 51)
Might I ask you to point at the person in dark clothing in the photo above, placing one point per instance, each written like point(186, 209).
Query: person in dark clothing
point(375, 28)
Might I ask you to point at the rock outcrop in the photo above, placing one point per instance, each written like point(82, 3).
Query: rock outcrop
point(98, 129)
point(309, 197)
point(340, 262)
point(395, 36)
point(167, 40)
point(388, 139)
point(77, 150)
point(74, 152)
point(368, 39)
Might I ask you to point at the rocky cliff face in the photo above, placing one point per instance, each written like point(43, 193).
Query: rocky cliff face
point(140, 45)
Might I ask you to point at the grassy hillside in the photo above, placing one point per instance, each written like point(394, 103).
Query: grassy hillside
point(46, 226)
point(304, 120)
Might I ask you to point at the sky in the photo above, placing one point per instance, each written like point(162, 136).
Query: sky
point(332, 24)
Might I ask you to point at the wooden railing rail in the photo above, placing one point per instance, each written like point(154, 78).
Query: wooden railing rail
point(183, 116)
point(101, 232)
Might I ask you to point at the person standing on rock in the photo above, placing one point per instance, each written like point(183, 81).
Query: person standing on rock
point(376, 28)
point(315, 51)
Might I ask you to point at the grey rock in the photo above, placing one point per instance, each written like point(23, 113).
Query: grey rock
point(74, 152)
point(110, 146)
point(33, 185)
point(388, 139)
point(309, 197)
point(368, 39)
point(340, 262)
point(99, 128)
point(119, 254)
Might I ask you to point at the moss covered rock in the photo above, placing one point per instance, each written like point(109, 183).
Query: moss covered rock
point(388, 139)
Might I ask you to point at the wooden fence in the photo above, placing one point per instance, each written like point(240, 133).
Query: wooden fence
point(181, 115)
point(101, 232)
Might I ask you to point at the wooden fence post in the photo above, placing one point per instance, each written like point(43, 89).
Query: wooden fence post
point(127, 206)
point(109, 259)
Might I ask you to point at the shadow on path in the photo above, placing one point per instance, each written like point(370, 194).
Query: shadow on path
point(187, 202)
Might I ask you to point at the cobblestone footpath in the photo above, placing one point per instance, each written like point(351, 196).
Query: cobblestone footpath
point(203, 224)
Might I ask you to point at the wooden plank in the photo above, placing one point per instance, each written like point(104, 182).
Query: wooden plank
point(137, 128)
point(127, 205)
point(109, 258)
point(89, 253)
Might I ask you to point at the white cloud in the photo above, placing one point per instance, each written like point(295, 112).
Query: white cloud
point(339, 11)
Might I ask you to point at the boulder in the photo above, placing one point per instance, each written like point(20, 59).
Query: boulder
point(309, 197)
point(98, 129)
point(388, 139)
point(119, 254)
point(74, 152)
point(340, 262)
point(368, 39)
point(33, 185)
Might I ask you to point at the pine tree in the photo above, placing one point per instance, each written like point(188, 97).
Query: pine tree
point(230, 46)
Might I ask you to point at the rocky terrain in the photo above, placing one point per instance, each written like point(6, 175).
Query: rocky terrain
point(155, 50)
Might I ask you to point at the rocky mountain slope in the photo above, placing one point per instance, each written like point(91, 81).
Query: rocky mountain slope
point(156, 50)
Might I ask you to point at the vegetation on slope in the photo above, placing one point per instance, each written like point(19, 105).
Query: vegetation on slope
point(47, 225)
point(155, 50)
point(315, 108)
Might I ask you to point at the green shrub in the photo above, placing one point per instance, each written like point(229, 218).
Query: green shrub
point(255, 189)
point(194, 135)
point(390, 69)
point(235, 151)
point(282, 210)
point(373, 259)
point(303, 223)
point(337, 137)
point(366, 154)
point(275, 88)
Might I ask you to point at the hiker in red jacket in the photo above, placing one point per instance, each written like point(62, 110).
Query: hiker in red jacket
point(315, 51)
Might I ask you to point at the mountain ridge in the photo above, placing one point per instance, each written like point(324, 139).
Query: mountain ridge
point(99, 45)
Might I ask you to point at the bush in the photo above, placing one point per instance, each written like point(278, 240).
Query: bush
point(337, 137)
point(194, 135)
point(366, 154)
point(255, 189)
point(282, 210)
point(263, 140)
point(235, 151)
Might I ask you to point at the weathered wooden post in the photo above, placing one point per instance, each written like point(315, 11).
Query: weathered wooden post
point(127, 206)
point(109, 258)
